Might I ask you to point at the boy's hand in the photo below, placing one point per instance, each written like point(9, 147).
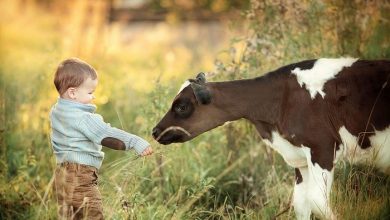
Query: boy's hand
point(147, 151)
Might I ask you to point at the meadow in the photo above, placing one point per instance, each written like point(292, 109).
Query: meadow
point(226, 173)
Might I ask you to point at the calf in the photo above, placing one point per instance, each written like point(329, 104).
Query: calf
point(313, 113)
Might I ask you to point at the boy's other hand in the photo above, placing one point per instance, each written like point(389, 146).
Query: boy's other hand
point(147, 151)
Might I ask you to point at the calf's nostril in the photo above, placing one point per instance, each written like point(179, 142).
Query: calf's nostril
point(155, 132)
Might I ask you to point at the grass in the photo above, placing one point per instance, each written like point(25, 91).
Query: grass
point(212, 177)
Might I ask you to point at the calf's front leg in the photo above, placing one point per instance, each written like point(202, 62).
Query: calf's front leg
point(312, 190)
point(300, 203)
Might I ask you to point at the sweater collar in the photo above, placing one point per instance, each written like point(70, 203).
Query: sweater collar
point(69, 104)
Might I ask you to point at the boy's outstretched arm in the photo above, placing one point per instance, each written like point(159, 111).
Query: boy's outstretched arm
point(99, 132)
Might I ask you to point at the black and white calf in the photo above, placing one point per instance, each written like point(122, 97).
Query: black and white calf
point(313, 113)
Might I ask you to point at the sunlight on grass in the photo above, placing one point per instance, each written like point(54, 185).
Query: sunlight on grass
point(141, 66)
point(129, 59)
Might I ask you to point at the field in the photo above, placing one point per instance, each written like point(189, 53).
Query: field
point(224, 174)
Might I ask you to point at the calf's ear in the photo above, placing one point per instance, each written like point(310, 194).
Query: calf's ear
point(201, 78)
point(202, 94)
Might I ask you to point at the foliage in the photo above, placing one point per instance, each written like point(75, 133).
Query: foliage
point(223, 174)
point(288, 31)
point(177, 10)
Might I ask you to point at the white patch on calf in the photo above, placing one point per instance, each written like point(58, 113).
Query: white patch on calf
point(350, 149)
point(291, 154)
point(174, 128)
point(381, 143)
point(323, 70)
point(378, 154)
point(185, 84)
point(312, 194)
point(318, 183)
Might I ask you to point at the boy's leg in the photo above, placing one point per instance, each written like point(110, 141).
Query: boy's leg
point(77, 192)
point(87, 199)
point(63, 191)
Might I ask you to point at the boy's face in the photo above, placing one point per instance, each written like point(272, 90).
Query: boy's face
point(84, 93)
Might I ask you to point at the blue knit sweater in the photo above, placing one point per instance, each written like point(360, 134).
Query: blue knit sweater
point(77, 132)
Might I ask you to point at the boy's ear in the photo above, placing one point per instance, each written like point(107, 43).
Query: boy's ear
point(71, 92)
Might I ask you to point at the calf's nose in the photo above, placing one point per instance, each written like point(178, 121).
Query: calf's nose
point(155, 132)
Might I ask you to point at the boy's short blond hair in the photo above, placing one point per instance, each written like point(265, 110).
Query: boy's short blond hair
point(71, 73)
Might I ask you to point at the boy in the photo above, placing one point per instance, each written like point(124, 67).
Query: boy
point(77, 137)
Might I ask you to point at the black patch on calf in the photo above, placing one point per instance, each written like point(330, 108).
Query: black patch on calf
point(363, 140)
point(286, 70)
point(298, 176)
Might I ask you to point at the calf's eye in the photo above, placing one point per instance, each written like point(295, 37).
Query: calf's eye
point(181, 108)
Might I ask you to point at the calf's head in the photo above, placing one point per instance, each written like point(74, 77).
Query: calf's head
point(192, 113)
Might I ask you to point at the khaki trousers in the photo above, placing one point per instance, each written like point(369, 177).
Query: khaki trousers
point(78, 196)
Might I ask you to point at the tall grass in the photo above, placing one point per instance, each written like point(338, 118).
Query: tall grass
point(223, 174)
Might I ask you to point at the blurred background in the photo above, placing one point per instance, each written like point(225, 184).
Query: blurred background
point(143, 51)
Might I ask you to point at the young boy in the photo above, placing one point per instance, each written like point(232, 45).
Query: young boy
point(77, 137)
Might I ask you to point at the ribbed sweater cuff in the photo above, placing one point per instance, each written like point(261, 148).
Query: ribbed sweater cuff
point(138, 144)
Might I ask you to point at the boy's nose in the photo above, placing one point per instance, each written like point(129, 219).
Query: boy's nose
point(155, 132)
